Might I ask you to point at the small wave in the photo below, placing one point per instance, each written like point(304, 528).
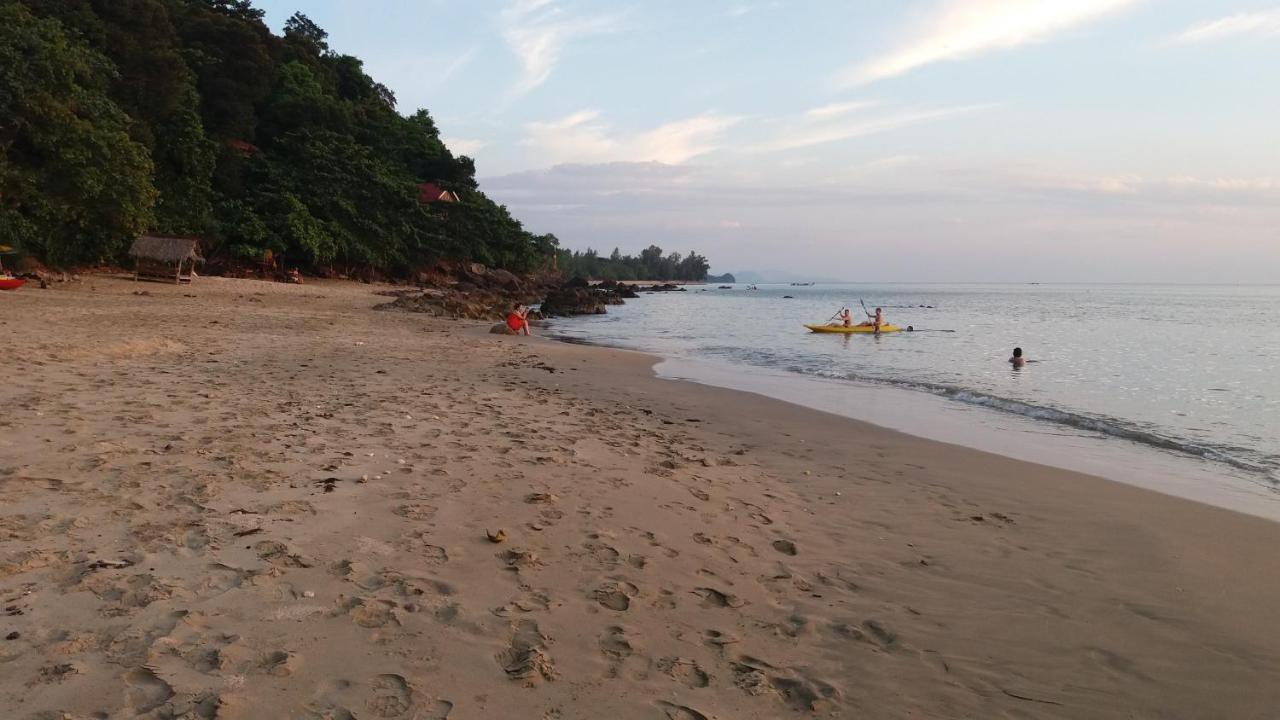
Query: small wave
point(1102, 425)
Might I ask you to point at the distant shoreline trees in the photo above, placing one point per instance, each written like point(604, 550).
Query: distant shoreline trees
point(651, 264)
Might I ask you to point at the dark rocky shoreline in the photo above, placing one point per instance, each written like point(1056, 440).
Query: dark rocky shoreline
point(475, 292)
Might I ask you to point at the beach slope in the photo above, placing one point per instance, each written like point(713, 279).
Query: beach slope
point(248, 500)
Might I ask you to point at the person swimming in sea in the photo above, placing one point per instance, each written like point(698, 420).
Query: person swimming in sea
point(1017, 360)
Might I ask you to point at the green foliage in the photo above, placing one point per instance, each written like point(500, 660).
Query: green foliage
point(74, 186)
point(191, 117)
point(650, 265)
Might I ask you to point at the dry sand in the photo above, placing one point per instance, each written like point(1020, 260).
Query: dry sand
point(247, 500)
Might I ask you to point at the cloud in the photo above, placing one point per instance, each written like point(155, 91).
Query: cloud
point(636, 190)
point(464, 146)
point(1258, 185)
point(1177, 189)
point(1263, 24)
point(965, 28)
point(412, 74)
point(939, 224)
point(537, 32)
point(583, 137)
point(842, 121)
point(839, 109)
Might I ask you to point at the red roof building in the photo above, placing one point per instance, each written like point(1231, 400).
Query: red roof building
point(433, 193)
point(245, 148)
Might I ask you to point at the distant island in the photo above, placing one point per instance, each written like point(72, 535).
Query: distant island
point(651, 264)
point(725, 278)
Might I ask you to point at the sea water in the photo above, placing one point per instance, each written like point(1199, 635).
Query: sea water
point(1182, 381)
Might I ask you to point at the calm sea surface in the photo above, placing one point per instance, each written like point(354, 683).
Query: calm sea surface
point(1189, 371)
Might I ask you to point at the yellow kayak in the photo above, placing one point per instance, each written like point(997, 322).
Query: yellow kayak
point(853, 329)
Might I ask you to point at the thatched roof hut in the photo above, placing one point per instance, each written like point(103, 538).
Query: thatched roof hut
point(167, 248)
point(166, 251)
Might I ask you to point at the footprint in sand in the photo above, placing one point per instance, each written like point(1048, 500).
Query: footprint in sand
point(532, 601)
point(371, 613)
point(517, 559)
point(416, 511)
point(278, 554)
point(145, 692)
point(616, 648)
point(615, 594)
point(526, 658)
point(603, 553)
point(679, 712)
point(786, 547)
point(390, 697)
point(700, 494)
point(275, 663)
point(327, 703)
point(712, 598)
point(684, 671)
point(418, 544)
point(794, 686)
point(614, 643)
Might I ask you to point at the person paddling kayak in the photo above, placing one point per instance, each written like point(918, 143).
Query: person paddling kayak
point(878, 319)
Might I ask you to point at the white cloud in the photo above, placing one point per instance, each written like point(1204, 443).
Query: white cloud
point(839, 109)
point(965, 28)
point(842, 121)
point(584, 137)
point(1265, 24)
point(413, 74)
point(1180, 189)
point(1221, 184)
point(464, 146)
point(537, 32)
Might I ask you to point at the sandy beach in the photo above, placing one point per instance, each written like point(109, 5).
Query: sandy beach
point(241, 499)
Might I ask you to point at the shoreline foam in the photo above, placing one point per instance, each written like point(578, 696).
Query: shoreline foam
point(1201, 473)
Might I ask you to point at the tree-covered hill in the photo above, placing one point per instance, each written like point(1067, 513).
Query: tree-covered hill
point(192, 117)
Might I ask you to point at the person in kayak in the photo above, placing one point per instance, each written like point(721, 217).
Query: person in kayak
point(876, 320)
point(518, 319)
point(846, 318)
point(1017, 360)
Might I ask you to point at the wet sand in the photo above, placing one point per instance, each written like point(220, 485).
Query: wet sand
point(268, 501)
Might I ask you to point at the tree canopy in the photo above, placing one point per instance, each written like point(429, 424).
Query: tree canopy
point(192, 117)
point(74, 186)
point(651, 264)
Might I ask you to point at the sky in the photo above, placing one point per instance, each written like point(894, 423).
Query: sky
point(861, 140)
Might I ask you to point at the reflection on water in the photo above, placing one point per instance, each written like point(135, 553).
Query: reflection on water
point(1131, 362)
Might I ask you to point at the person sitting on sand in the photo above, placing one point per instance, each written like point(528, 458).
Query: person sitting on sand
point(1017, 360)
point(518, 319)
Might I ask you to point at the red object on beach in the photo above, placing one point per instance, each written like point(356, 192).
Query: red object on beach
point(11, 283)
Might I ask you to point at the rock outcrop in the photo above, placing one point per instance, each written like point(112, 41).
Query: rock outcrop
point(475, 292)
